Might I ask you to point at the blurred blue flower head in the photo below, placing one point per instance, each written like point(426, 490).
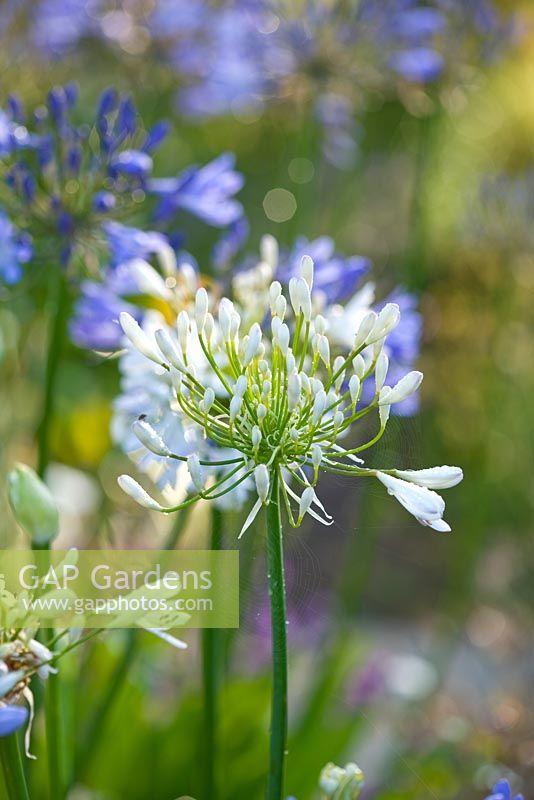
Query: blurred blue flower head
point(12, 718)
point(503, 791)
point(15, 250)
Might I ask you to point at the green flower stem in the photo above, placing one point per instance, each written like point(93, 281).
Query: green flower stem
point(211, 671)
point(97, 721)
point(277, 594)
point(58, 316)
point(14, 779)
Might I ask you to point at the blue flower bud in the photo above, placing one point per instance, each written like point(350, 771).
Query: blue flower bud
point(57, 103)
point(104, 202)
point(156, 135)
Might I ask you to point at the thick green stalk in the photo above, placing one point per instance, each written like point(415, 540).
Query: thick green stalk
point(57, 309)
point(14, 779)
point(211, 671)
point(277, 594)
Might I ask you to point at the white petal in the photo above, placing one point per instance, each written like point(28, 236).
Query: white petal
point(139, 338)
point(433, 477)
point(148, 280)
point(425, 505)
point(251, 517)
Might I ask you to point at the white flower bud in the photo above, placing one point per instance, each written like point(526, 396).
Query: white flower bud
point(183, 326)
point(407, 385)
point(209, 325)
point(319, 405)
point(320, 324)
point(381, 370)
point(307, 498)
point(209, 399)
point(225, 318)
point(266, 388)
point(338, 419)
point(235, 407)
point(169, 349)
point(150, 438)
point(290, 362)
point(201, 308)
point(384, 406)
point(195, 471)
point(139, 338)
point(241, 386)
point(305, 383)
point(306, 270)
point(354, 389)
point(235, 322)
point(282, 338)
point(261, 412)
point(176, 380)
point(275, 291)
point(256, 437)
point(262, 478)
point(388, 318)
point(299, 294)
point(366, 325)
point(254, 340)
point(358, 365)
point(293, 391)
point(323, 348)
point(316, 456)
point(280, 307)
point(137, 493)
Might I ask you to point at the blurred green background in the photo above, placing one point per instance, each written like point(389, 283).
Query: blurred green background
point(412, 653)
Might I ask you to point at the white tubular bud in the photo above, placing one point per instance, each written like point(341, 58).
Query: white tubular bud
point(338, 364)
point(306, 270)
point(276, 322)
point(269, 250)
point(282, 338)
point(139, 338)
point(290, 362)
point(235, 407)
point(254, 340)
point(280, 307)
point(299, 294)
point(305, 383)
point(294, 434)
point(235, 322)
point(407, 385)
point(137, 493)
point(366, 326)
point(358, 365)
point(262, 478)
point(148, 280)
point(316, 456)
point(261, 411)
point(339, 419)
point(383, 412)
point(354, 389)
point(319, 405)
point(256, 437)
point(381, 370)
point(275, 291)
point(150, 438)
point(307, 498)
point(201, 308)
point(182, 326)
point(209, 399)
point(293, 391)
point(323, 348)
point(169, 349)
point(195, 471)
point(225, 318)
point(266, 388)
point(320, 325)
point(209, 325)
point(241, 386)
point(263, 367)
point(387, 319)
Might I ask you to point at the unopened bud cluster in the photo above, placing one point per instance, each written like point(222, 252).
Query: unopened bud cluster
point(338, 783)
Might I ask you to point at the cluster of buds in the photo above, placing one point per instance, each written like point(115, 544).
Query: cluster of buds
point(338, 783)
point(282, 402)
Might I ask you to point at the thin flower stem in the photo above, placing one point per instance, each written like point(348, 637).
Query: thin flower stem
point(275, 573)
point(211, 671)
point(14, 778)
point(58, 314)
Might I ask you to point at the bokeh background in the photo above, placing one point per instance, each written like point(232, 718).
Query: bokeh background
point(411, 652)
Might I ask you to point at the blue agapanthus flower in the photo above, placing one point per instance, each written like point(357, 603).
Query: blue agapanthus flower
point(503, 791)
point(12, 718)
point(15, 251)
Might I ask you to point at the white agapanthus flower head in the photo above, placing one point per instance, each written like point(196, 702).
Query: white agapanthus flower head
point(281, 402)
